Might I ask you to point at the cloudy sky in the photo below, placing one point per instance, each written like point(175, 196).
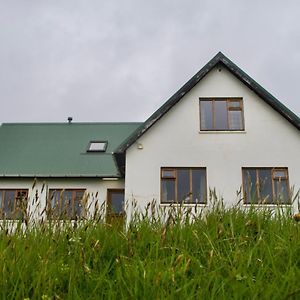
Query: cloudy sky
point(120, 60)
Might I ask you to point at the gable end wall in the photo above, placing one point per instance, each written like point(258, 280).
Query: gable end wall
point(175, 140)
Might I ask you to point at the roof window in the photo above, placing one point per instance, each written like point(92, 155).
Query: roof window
point(97, 146)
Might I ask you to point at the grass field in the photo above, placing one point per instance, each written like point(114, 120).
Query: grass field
point(226, 254)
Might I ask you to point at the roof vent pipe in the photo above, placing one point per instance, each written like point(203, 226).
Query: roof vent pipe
point(70, 119)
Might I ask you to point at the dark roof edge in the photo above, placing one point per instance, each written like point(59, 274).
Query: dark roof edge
point(236, 71)
point(168, 104)
point(59, 176)
point(73, 123)
point(261, 92)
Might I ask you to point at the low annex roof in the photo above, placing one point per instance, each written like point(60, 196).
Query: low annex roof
point(60, 149)
point(219, 59)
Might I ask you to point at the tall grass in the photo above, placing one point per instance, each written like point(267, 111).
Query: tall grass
point(224, 254)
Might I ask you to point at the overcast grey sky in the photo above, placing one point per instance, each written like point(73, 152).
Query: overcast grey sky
point(114, 60)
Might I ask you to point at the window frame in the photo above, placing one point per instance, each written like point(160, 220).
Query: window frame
point(260, 201)
point(228, 109)
point(88, 150)
point(175, 179)
point(11, 213)
point(51, 212)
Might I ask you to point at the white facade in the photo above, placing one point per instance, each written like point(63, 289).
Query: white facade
point(175, 140)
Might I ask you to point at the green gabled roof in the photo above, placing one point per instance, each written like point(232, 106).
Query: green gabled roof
point(59, 149)
point(219, 59)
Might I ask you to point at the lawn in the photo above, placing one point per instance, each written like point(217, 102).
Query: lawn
point(225, 254)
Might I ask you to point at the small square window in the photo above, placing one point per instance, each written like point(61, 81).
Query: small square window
point(97, 146)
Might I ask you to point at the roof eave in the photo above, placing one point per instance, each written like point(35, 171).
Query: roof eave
point(60, 176)
point(169, 104)
point(261, 92)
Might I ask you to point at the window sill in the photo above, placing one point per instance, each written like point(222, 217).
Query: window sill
point(271, 205)
point(222, 131)
point(183, 204)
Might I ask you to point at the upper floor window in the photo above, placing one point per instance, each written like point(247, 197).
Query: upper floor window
point(266, 185)
point(13, 203)
point(65, 204)
point(183, 185)
point(221, 114)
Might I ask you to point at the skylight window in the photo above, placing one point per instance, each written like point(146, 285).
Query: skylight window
point(97, 146)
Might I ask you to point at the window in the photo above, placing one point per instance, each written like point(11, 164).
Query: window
point(13, 203)
point(115, 207)
point(183, 185)
point(97, 146)
point(266, 185)
point(221, 114)
point(65, 204)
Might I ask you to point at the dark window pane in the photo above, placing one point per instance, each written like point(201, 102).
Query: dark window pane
point(117, 203)
point(67, 204)
point(198, 186)
point(77, 209)
point(206, 115)
point(235, 120)
point(250, 185)
point(281, 191)
point(55, 203)
point(54, 199)
point(20, 204)
point(220, 115)
point(168, 190)
point(9, 202)
point(183, 185)
point(265, 185)
point(1, 202)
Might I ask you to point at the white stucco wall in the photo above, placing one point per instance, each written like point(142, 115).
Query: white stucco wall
point(95, 188)
point(269, 140)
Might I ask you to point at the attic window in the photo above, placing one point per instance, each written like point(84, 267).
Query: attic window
point(221, 114)
point(97, 146)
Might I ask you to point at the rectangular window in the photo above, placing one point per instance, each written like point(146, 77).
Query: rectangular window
point(65, 203)
point(266, 185)
point(97, 146)
point(221, 114)
point(183, 185)
point(13, 203)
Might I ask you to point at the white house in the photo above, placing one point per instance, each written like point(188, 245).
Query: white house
point(220, 130)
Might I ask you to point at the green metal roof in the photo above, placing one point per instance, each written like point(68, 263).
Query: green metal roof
point(219, 59)
point(59, 149)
